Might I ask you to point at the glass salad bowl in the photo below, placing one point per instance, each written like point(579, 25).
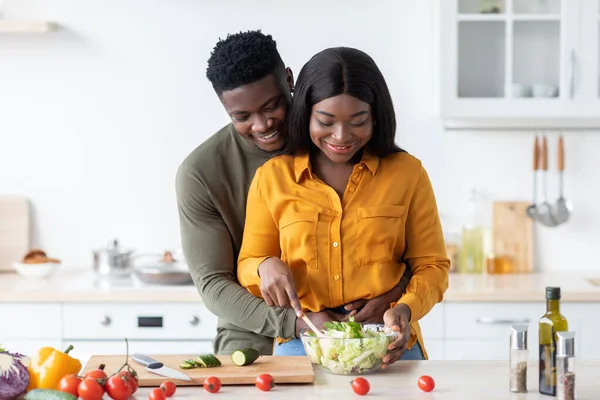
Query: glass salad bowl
point(348, 348)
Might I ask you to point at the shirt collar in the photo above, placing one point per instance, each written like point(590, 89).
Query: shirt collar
point(302, 164)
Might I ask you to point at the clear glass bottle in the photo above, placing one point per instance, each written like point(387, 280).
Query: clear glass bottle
point(476, 239)
point(565, 366)
point(518, 359)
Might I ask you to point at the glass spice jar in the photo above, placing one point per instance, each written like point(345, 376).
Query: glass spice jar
point(565, 366)
point(518, 359)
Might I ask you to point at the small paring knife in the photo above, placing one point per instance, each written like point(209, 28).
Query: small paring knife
point(158, 368)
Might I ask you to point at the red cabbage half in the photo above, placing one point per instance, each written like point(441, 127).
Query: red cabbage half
point(14, 377)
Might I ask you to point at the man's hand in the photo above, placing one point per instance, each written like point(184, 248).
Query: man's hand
point(318, 318)
point(277, 285)
point(372, 310)
point(397, 319)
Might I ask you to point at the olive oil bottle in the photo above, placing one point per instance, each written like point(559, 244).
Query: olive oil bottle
point(553, 321)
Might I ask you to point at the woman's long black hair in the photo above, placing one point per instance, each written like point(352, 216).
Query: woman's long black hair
point(335, 71)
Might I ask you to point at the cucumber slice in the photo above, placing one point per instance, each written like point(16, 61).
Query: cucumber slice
point(207, 361)
point(187, 364)
point(244, 356)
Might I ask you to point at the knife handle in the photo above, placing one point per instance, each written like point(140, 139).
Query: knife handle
point(146, 361)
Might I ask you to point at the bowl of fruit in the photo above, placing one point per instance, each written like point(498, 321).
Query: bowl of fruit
point(36, 265)
point(348, 348)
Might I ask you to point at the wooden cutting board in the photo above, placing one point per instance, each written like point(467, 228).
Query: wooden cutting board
point(284, 369)
point(513, 236)
point(14, 230)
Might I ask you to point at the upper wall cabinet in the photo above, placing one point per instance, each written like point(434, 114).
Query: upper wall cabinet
point(519, 63)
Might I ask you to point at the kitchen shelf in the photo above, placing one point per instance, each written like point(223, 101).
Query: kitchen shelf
point(23, 26)
point(514, 17)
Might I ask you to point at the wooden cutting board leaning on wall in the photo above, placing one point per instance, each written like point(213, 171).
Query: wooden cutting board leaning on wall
point(512, 237)
point(15, 220)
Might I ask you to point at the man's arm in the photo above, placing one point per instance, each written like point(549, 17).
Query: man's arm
point(208, 250)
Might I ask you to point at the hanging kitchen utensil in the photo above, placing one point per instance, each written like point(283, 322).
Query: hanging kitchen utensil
point(563, 208)
point(532, 209)
point(544, 209)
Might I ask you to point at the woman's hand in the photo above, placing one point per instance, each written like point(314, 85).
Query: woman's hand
point(277, 285)
point(397, 319)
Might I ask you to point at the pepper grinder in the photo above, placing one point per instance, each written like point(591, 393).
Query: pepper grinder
point(518, 359)
point(565, 366)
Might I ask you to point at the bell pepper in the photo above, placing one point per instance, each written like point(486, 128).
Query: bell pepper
point(49, 366)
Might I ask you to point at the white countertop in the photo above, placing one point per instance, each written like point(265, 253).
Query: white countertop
point(79, 285)
point(456, 380)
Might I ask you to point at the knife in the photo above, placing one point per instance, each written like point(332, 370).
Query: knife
point(158, 368)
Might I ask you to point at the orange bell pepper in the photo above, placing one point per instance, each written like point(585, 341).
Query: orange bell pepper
point(49, 366)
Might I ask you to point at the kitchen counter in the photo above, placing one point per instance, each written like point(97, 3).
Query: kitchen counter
point(79, 285)
point(456, 380)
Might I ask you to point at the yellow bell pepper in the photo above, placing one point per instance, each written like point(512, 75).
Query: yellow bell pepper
point(49, 366)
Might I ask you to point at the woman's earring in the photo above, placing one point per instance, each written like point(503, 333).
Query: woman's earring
point(374, 122)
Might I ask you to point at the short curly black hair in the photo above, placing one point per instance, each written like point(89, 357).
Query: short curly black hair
point(243, 58)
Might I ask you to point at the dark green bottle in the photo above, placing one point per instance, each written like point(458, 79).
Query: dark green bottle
point(549, 324)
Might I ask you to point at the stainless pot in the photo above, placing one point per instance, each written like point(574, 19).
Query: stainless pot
point(115, 261)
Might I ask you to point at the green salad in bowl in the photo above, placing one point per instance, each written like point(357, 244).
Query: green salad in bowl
point(348, 348)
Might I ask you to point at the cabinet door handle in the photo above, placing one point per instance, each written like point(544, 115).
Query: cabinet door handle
point(573, 78)
point(106, 321)
point(500, 321)
point(195, 320)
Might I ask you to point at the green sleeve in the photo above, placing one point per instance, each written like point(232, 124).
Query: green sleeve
point(208, 250)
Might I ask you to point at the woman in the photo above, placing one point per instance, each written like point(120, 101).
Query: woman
point(344, 210)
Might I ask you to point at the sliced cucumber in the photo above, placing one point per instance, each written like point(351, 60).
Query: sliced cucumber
point(188, 364)
point(244, 356)
point(207, 361)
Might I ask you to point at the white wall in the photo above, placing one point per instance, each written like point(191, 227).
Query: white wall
point(95, 119)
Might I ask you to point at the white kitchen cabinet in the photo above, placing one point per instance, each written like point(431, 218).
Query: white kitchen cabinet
point(481, 331)
point(85, 348)
point(519, 63)
point(584, 319)
point(149, 321)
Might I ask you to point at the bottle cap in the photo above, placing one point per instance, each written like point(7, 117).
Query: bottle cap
point(552, 293)
point(518, 337)
point(565, 347)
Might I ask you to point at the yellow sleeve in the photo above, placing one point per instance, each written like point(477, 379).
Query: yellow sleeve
point(425, 251)
point(260, 240)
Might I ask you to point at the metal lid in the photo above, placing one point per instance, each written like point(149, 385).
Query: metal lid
point(565, 346)
point(518, 337)
point(552, 293)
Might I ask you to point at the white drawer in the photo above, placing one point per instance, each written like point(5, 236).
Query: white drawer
point(85, 349)
point(491, 321)
point(191, 321)
point(35, 321)
point(432, 324)
point(435, 349)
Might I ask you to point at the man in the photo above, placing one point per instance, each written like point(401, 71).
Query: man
point(254, 86)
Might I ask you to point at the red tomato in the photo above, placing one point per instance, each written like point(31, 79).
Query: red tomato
point(69, 384)
point(157, 394)
point(133, 380)
point(96, 374)
point(361, 386)
point(168, 387)
point(264, 382)
point(426, 383)
point(212, 384)
point(119, 387)
point(90, 389)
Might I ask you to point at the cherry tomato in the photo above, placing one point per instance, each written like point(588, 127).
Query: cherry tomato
point(96, 374)
point(212, 384)
point(69, 384)
point(168, 387)
point(90, 389)
point(361, 386)
point(264, 382)
point(119, 387)
point(426, 383)
point(132, 379)
point(157, 394)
